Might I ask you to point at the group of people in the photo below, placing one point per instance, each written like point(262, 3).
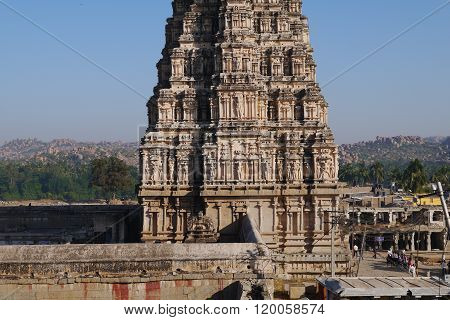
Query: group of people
point(400, 259)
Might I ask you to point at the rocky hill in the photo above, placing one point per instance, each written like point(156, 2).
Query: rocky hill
point(398, 149)
point(394, 149)
point(66, 149)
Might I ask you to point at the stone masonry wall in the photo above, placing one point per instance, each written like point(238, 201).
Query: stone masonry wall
point(140, 271)
point(180, 287)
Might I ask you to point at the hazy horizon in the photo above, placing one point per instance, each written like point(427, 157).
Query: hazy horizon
point(2, 143)
point(49, 92)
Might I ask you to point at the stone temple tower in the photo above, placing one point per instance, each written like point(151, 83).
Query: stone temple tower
point(238, 126)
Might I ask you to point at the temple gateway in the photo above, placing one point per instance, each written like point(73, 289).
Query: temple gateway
point(238, 127)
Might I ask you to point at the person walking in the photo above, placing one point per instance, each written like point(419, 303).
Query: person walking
point(444, 268)
point(412, 270)
point(374, 252)
point(355, 251)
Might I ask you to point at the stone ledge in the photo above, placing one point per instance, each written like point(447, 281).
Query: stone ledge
point(64, 254)
point(135, 280)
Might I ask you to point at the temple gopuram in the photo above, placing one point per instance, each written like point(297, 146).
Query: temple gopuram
point(238, 127)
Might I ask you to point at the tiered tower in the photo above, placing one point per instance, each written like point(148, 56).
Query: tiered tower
point(238, 126)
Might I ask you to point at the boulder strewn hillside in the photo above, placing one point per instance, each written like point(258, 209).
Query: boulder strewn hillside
point(398, 149)
point(66, 149)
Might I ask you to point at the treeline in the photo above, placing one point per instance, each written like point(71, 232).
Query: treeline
point(107, 178)
point(414, 176)
point(104, 178)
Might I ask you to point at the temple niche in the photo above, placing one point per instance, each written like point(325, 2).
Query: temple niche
point(238, 126)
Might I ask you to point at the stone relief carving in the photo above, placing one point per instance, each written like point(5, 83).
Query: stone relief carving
point(171, 173)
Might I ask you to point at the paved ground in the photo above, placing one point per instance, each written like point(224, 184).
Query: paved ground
point(370, 267)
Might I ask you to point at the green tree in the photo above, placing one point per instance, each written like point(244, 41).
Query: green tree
point(347, 173)
point(111, 175)
point(395, 176)
point(414, 176)
point(442, 175)
point(362, 174)
point(377, 172)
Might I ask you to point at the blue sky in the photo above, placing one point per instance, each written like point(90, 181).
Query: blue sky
point(47, 91)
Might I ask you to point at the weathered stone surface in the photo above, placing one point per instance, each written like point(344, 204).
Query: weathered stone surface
point(166, 290)
point(127, 259)
point(112, 272)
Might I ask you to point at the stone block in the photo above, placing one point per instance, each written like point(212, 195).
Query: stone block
point(296, 292)
point(171, 277)
point(188, 290)
point(244, 276)
point(198, 283)
point(192, 276)
point(168, 284)
point(26, 281)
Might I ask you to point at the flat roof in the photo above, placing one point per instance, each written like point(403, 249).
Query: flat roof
point(385, 286)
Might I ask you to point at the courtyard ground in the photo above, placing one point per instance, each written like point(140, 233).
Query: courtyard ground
point(371, 267)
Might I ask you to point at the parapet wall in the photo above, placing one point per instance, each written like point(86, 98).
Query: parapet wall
point(136, 271)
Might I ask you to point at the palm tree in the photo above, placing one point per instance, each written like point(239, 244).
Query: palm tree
point(347, 173)
point(377, 172)
point(362, 173)
point(414, 177)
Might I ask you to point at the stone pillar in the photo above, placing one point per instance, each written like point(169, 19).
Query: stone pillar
point(396, 237)
point(122, 231)
point(260, 215)
point(180, 221)
point(274, 213)
point(114, 237)
point(429, 241)
point(147, 222)
point(289, 220)
point(413, 242)
point(164, 216)
point(170, 215)
point(302, 213)
point(318, 213)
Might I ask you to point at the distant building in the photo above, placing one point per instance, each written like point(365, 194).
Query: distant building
point(403, 221)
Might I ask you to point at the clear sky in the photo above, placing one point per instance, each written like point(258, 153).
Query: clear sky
point(47, 91)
